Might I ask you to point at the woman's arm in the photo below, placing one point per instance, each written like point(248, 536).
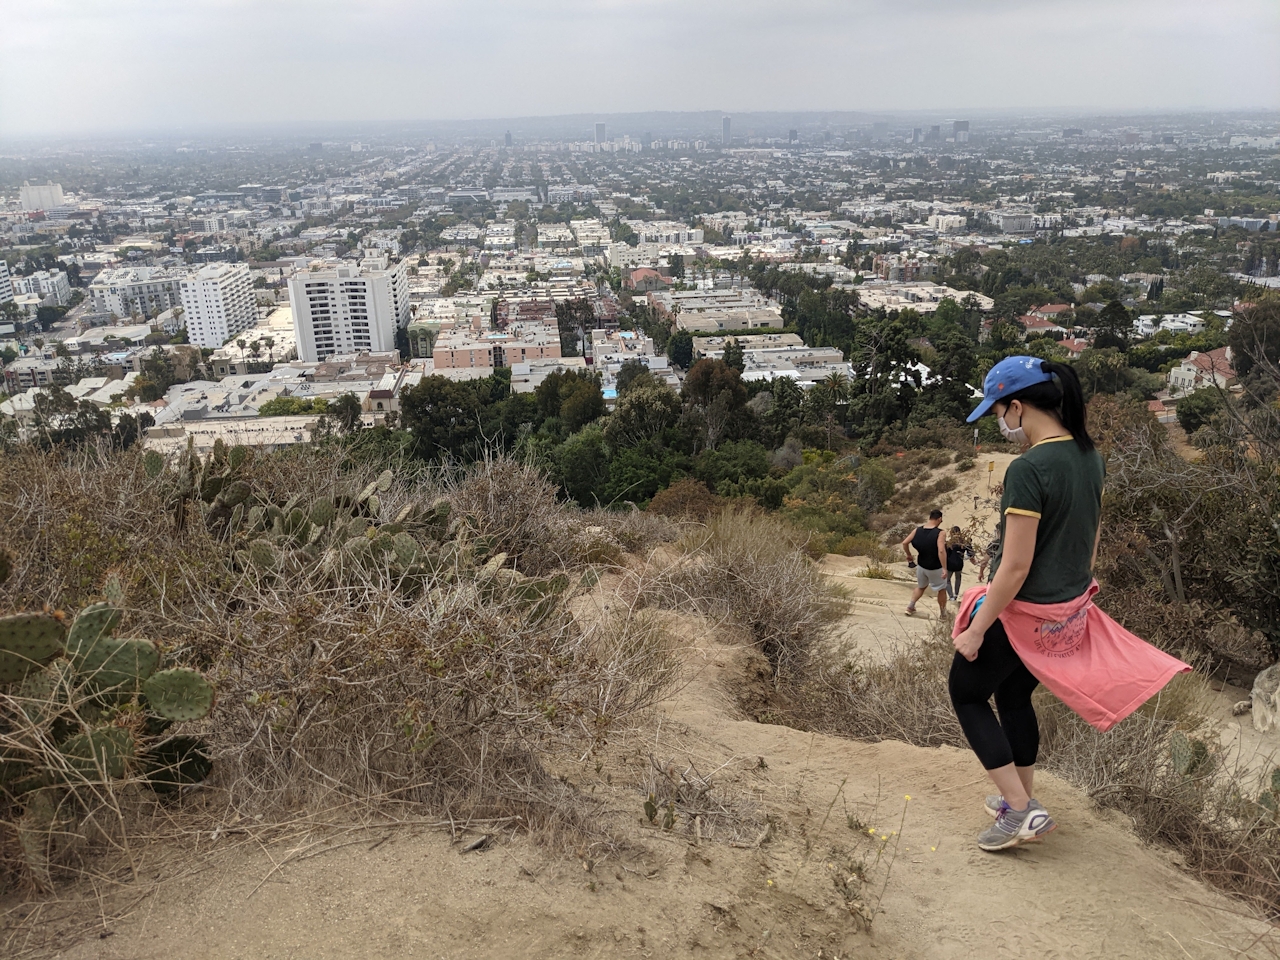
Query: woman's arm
point(1015, 563)
point(1097, 539)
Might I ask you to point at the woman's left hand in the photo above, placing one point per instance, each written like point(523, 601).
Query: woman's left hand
point(967, 644)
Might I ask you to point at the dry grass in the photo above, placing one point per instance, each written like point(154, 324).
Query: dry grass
point(749, 568)
point(359, 700)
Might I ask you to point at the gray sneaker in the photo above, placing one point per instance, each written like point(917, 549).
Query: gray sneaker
point(995, 803)
point(1013, 827)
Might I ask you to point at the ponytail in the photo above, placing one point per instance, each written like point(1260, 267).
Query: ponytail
point(1061, 396)
point(1072, 411)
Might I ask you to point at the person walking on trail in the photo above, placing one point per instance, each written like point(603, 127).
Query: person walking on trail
point(958, 551)
point(930, 543)
point(1036, 622)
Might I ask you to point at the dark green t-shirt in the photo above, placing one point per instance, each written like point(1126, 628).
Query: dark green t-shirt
point(1061, 485)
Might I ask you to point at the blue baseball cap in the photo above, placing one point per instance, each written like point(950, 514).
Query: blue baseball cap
point(1008, 377)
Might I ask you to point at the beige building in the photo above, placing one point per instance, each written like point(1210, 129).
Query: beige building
point(464, 347)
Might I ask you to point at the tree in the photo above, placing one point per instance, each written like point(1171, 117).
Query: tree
point(677, 266)
point(642, 414)
point(680, 349)
point(573, 317)
point(345, 412)
point(1113, 327)
point(1197, 409)
point(632, 373)
point(734, 355)
point(269, 343)
point(443, 416)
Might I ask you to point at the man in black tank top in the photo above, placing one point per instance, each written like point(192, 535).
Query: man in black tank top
point(930, 543)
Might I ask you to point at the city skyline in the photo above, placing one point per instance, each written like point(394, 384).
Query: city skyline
point(445, 61)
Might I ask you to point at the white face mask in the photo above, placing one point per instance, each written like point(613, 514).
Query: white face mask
point(1012, 434)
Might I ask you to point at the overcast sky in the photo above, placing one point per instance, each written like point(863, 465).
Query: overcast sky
point(97, 66)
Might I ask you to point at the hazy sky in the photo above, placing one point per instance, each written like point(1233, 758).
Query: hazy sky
point(70, 66)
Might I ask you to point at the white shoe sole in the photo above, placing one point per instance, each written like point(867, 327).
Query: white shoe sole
point(1018, 840)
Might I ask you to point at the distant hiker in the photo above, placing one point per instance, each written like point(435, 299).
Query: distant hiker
point(930, 543)
point(985, 558)
point(1036, 622)
point(958, 551)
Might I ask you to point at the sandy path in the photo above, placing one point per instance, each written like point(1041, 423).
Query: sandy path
point(1091, 890)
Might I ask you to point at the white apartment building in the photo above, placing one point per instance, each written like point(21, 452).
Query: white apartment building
point(947, 222)
point(218, 303)
point(145, 290)
point(44, 284)
point(40, 196)
point(6, 285)
point(342, 308)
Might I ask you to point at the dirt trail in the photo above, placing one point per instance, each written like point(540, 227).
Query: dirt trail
point(1091, 890)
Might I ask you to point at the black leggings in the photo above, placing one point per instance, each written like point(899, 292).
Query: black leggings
point(1015, 737)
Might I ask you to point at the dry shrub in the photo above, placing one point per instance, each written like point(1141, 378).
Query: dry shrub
point(686, 499)
point(516, 505)
point(904, 698)
point(751, 568)
point(638, 531)
point(67, 519)
point(446, 698)
point(1220, 819)
point(361, 692)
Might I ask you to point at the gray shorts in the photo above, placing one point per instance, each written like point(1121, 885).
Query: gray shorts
point(934, 580)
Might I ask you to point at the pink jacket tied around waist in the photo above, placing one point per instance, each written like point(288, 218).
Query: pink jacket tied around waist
point(1089, 662)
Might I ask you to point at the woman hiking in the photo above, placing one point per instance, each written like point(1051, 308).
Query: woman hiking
point(1036, 622)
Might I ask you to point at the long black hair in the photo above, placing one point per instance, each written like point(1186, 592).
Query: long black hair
point(1060, 396)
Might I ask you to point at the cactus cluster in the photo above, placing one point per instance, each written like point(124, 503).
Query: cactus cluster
point(213, 483)
point(93, 707)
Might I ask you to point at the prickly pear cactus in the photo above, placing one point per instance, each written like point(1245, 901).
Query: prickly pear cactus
point(27, 642)
point(179, 694)
point(1190, 755)
point(97, 711)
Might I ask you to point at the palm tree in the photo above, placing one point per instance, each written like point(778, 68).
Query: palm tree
point(838, 384)
point(270, 343)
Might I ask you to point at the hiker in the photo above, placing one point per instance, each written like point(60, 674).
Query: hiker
point(930, 543)
point(958, 551)
point(1036, 621)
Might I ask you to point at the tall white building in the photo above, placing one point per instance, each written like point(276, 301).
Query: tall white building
point(218, 303)
point(6, 285)
point(45, 284)
point(148, 291)
point(343, 308)
point(40, 196)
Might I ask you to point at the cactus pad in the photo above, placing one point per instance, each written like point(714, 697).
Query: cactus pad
point(237, 455)
point(176, 762)
point(91, 623)
point(322, 512)
point(101, 752)
point(406, 549)
point(112, 663)
point(153, 464)
point(264, 555)
point(27, 642)
point(179, 694)
point(236, 493)
point(46, 693)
